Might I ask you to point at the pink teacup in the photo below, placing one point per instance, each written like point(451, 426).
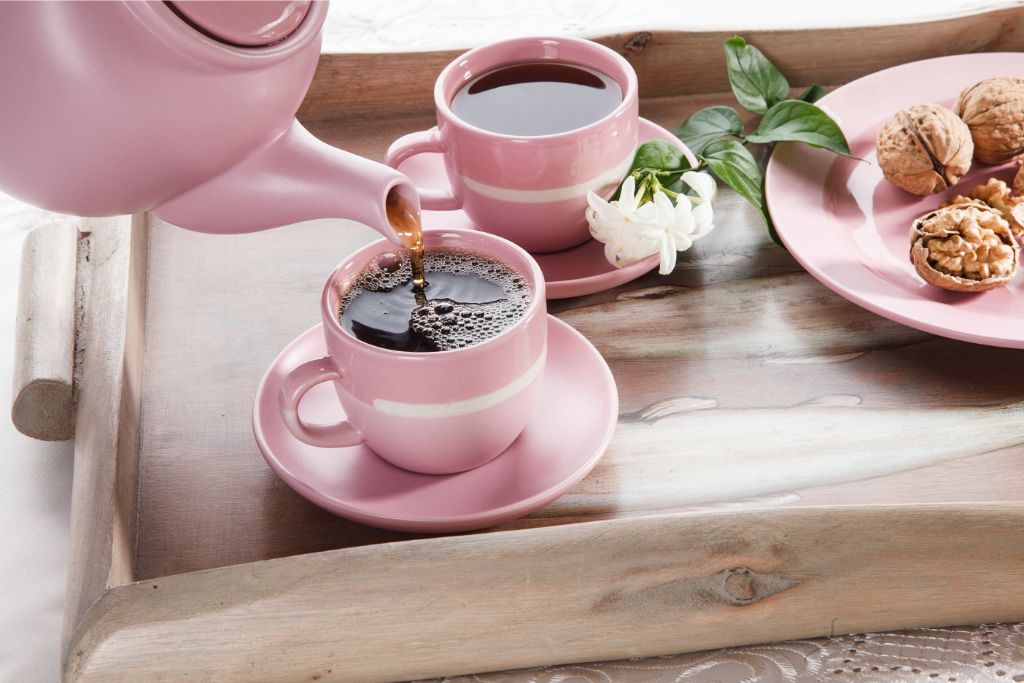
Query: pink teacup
point(439, 412)
point(529, 189)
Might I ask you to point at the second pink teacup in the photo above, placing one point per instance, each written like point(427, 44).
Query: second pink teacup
point(436, 412)
point(530, 189)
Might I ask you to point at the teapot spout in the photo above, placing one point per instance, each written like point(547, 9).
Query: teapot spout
point(296, 177)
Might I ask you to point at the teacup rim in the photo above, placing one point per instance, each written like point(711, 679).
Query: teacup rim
point(629, 95)
point(330, 317)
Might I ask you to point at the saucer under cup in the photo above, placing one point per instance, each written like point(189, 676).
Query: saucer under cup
point(578, 271)
point(568, 432)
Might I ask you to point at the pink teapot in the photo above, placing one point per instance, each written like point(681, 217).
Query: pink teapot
point(186, 109)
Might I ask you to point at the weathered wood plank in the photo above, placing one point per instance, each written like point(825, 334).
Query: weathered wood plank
point(361, 86)
point(778, 353)
point(783, 318)
point(43, 404)
point(107, 422)
point(879, 377)
point(674, 459)
point(496, 601)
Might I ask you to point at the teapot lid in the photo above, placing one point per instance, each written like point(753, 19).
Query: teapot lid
point(243, 22)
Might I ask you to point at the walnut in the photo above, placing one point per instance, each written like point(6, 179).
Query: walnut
point(994, 111)
point(996, 194)
point(924, 149)
point(964, 248)
point(1018, 179)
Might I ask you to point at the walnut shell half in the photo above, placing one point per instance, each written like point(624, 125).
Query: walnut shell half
point(924, 149)
point(964, 248)
point(994, 111)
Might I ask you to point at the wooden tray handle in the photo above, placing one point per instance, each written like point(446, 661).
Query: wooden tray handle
point(44, 346)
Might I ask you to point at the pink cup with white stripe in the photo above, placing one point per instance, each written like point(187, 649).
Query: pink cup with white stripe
point(531, 190)
point(436, 412)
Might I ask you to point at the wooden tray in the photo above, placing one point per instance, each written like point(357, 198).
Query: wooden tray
point(786, 464)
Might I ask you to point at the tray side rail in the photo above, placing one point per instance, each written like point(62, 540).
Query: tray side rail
point(599, 590)
point(105, 491)
point(672, 63)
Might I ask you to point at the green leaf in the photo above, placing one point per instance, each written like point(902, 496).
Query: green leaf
point(801, 122)
point(813, 94)
point(659, 156)
point(734, 165)
point(755, 81)
point(708, 125)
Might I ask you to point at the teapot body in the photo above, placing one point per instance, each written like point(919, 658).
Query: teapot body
point(117, 107)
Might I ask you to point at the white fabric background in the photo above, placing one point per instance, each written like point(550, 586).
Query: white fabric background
point(35, 477)
point(35, 500)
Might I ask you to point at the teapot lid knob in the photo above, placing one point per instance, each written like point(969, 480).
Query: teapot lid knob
point(243, 23)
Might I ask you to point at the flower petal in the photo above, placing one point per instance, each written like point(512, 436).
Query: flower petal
point(702, 183)
point(611, 254)
point(627, 195)
point(605, 219)
point(668, 256)
point(684, 220)
point(703, 217)
point(604, 211)
point(645, 213)
point(596, 202)
point(665, 212)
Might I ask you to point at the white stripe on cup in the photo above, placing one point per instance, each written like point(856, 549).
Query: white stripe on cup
point(557, 194)
point(465, 406)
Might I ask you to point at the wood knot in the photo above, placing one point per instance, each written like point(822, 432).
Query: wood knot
point(637, 43)
point(739, 584)
point(737, 587)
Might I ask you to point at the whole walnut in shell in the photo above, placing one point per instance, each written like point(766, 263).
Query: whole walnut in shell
point(964, 248)
point(924, 149)
point(993, 109)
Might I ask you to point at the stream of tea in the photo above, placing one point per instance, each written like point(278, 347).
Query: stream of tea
point(438, 300)
point(407, 225)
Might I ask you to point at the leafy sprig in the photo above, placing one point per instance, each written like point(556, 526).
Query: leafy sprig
point(715, 134)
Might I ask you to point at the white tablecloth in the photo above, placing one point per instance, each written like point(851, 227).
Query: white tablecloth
point(35, 477)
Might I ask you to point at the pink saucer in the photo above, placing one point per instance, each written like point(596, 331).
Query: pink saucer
point(573, 272)
point(569, 433)
point(850, 228)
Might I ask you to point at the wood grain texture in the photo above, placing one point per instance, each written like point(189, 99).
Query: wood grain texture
point(107, 421)
point(43, 404)
point(785, 465)
point(359, 86)
point(614, 589)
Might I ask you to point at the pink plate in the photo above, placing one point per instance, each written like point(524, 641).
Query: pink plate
point(850, 228)
point(573, 272)
point(569, 432)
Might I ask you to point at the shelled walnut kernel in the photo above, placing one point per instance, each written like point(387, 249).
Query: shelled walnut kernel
point(996, 194)
point(964, 248)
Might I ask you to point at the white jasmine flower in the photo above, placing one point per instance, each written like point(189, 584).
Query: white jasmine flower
point(632, 231)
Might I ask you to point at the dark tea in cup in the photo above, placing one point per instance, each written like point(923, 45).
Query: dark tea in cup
point(466, 298)
point(537, 98)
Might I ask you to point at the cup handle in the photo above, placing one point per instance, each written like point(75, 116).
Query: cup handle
point(295, 385)
point(422, 142)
